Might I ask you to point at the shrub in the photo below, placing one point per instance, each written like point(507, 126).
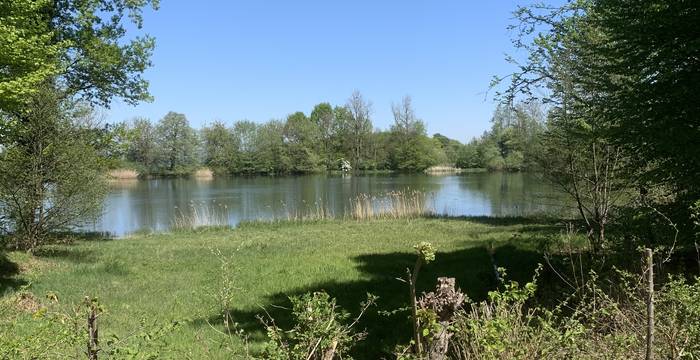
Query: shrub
point(321, 330)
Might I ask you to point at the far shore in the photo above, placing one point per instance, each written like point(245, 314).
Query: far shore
point(206, 173)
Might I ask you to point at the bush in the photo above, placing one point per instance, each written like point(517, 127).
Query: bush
point(51, 177)
point(592, 324)
point(321, 330)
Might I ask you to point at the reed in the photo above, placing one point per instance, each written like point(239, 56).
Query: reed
point(309, 212)
point(404, 204)
point(198, 215)
point(204, 173)
point(443, 169)
point(123, 174)
point(392, 205)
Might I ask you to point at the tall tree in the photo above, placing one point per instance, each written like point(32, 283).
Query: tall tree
point(245, 134)
point(411, 150)
point(324, 118)
point(143, 145)
point(579, 154)
point(301, 136)
point(405, 121)
point(220, 148)
point(272, 157)
point(341, 140)
point(178, 142)
point(359, 126)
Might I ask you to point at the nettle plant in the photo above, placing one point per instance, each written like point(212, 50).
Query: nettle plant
point(322, 330)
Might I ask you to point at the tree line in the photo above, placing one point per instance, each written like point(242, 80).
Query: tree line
point(329, 138)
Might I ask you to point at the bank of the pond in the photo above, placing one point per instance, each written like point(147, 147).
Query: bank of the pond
point(175, 276)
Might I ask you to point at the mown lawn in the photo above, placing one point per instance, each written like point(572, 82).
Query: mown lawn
point(166, 277)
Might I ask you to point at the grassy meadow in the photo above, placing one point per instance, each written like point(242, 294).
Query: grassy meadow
point(176, 276)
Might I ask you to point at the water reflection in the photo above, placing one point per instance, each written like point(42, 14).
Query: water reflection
point(154, 204)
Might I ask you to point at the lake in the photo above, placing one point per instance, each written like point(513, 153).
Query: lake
point(153, 205)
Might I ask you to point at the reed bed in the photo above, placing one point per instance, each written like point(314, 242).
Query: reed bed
point(443, 169)
point(202, 214)
point(404, 204)
point(204, 173)
point(316, 211)
point(123, 174)
point(392, 205)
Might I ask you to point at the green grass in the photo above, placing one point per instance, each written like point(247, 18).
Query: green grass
point(174, 276)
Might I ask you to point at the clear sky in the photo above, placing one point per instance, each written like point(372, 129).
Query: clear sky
point(263, 59)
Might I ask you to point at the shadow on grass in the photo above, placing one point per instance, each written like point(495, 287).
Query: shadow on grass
point(71, 254)
point(59, 247)
point(8, 270)
point(501, 220)
point(68, 237)
point(471, 267)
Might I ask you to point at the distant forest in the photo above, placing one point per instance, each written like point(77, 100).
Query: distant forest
point(329, 138)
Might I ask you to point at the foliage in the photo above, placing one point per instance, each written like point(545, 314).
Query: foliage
point(142, 145)
point(606, 324)
point(425, 251)
point(512, 143)
point(503, 327)
point(647, 81)
point(320, 330)
point(325, 120)
point(220, 148)
point(410, 149)
point(51, 178)
point(53, 333)
point(622, 97)
point(358, 127)
point(27, 51)
point(80, 44)
point(178, 143)
point(54, 53)
point(301, 136)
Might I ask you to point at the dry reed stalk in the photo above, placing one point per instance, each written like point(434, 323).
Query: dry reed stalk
point(204, 173)
point(123, 174)
point(200, 216)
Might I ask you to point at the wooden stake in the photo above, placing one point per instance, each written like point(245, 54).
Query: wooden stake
point(93, 339)
point(412, 277)
point(650, 303)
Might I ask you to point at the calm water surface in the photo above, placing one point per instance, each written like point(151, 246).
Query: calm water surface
point(154, 204)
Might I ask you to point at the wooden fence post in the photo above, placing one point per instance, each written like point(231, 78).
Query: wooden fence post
point(650, 303)
point(93, 336)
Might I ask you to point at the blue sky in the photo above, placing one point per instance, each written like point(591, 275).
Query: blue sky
point(263, 59)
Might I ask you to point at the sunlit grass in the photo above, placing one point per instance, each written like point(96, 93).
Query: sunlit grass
point(175, 276)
